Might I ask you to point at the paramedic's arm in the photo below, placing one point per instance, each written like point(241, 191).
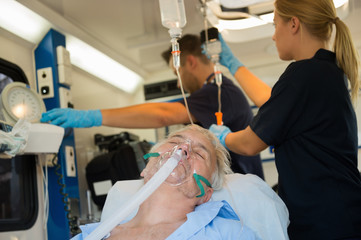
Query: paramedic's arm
point(147, 115)
point(245, 142)
point(258, 91)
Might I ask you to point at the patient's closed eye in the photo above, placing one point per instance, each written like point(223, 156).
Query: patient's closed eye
point(200, 155)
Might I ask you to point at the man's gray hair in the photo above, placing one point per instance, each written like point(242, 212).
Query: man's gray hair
point(222, 156)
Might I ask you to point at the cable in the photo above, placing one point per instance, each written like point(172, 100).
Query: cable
point(184, 97)
point(46, 200)
point(73, 221)
point(46, 192)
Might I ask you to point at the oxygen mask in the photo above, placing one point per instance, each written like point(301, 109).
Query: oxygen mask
point(181, 172)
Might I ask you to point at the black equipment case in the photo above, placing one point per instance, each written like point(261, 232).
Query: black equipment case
point(123, 160)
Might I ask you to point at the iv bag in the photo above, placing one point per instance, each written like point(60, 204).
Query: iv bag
point(173, 15)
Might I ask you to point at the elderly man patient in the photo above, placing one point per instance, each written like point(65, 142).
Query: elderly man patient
point(180, 207)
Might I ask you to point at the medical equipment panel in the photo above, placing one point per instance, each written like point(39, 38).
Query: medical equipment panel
point(62, 184)
point(45, 82)
point(162, 90)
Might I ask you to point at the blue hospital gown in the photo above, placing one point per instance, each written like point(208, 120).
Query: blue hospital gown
point(211, 220)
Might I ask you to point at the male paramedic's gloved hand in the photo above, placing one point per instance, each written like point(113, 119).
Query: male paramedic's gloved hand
point(67, 117)
point(226, 57)
point(221, 133)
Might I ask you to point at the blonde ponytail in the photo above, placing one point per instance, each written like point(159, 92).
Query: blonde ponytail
point(347, 56)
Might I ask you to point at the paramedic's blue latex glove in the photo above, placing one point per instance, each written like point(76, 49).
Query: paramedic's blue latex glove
point(67, 117)
point(226, 57)
point(221, 133)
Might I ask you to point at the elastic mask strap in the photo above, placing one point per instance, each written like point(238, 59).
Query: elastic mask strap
point(148, 155)
point(198, 179)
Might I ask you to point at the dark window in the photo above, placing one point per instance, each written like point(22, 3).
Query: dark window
point(18, 193)
point(9, 73)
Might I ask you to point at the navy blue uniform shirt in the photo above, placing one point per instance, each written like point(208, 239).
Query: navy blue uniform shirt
point(310, 120)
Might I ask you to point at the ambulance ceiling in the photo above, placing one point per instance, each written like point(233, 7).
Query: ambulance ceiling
point(132, 28)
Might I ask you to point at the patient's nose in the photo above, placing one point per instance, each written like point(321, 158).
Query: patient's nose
point(185, 149)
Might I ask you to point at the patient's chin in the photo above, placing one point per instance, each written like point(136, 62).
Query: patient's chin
point(188, 190)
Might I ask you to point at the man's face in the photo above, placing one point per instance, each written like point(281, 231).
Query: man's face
point(200, 155)
point(189, 80)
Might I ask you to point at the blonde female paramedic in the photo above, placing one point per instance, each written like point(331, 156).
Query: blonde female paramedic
point(309, 118)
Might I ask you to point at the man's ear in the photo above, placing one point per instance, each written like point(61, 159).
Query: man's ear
point(192, 61)
point(207, 196)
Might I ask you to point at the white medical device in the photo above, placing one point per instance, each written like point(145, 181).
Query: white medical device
point(19, 101)
point(44, 138)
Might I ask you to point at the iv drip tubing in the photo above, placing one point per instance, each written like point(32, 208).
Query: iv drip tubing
point(218, 80)
point(215, 58)
point(159, 177)
point(184, 97)
point(176, 64)
point(219, 99)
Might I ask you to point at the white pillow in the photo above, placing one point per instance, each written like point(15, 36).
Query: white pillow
point(256, 204)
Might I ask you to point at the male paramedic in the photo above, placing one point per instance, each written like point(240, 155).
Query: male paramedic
point(196, 72)
point(180, 208)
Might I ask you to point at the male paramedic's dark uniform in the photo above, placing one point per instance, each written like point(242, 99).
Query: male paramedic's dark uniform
point(310, 120)
point(237, 115)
